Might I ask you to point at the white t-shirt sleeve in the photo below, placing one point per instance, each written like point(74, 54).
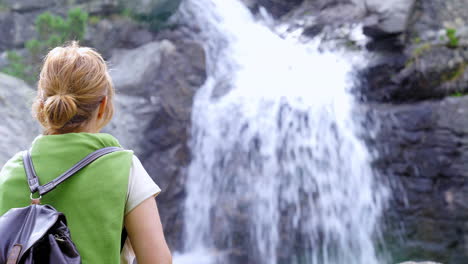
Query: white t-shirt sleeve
point(140, 186)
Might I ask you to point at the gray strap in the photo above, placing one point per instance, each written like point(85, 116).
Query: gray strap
point(33, 180)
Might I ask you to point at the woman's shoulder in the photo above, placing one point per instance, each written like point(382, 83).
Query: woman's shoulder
point(15, 162)
point(141, 185)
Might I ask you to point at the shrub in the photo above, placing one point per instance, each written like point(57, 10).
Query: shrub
point(16, 66)
point(52, 31)
point(76, 24)
point(453, 40)
point(157, 17)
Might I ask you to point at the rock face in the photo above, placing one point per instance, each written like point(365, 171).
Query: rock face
point(182, 73)
point(417, 93)
point(18, 127)
point(155, 85)
point(16, 29)
point(423, 153)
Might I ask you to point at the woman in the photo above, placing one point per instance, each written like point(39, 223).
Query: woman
point(73, 103)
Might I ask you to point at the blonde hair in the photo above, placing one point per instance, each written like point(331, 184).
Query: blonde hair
point(73, 82)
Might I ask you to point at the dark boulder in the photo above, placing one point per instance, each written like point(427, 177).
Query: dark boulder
point(117, 33)
point(276, 8)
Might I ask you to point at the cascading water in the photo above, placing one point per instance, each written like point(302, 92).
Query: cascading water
point(278, 174)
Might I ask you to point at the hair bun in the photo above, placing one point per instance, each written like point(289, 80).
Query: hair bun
point(59, 109)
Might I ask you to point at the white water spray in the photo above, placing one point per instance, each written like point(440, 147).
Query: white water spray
point(278, 174)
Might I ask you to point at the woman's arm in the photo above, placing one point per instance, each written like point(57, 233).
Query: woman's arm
point(145, 231)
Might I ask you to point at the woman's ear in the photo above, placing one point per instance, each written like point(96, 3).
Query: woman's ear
point(102, 107)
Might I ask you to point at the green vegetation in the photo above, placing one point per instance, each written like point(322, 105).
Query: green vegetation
point(94, 20)
point(155, 24)
point(418, 52)
point(16, 67)
point(454, 74)
point(453, 39)
point(421, 49)
point(3, 6)
point(157, 17)
point(417, 40)
point(127, 12)
point(52, 31)
point(458, 94)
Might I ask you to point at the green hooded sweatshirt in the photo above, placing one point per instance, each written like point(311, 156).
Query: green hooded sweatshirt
point(93, 200)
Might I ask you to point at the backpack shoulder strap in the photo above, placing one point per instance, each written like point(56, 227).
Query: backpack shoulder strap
point(33, 180)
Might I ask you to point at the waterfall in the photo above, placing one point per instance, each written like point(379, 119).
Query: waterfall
point(278, 173)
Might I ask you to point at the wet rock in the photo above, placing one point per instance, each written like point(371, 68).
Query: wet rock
point(422, 152)
point(18, 127)
point(277, 8)
point(313, 30)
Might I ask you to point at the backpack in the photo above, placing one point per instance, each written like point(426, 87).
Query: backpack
point(39, 233)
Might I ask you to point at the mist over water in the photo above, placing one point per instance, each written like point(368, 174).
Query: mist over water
point(278, 173)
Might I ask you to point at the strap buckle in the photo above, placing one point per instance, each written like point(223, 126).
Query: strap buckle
point(35, 200)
